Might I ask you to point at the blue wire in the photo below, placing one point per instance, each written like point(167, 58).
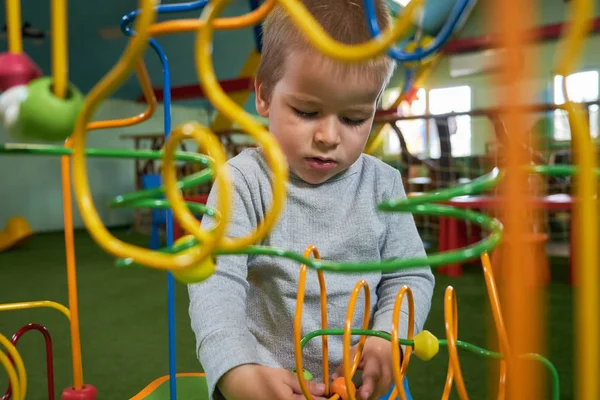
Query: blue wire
point(256, 29)
point(406, 390)
point(169, 224)
point(454, 19)
point(124, 25)
point(162, 9)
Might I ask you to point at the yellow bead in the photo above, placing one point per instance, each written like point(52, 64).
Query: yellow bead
point(426, 345)
point(197, 273)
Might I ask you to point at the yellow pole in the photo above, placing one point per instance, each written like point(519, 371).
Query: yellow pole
point(587, 276)
point(59, 47)
point(13, 21)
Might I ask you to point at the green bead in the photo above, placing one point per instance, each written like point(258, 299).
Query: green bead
point(307, 375)
point(43, 116)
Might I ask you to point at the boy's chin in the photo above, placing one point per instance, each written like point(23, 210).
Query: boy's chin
point(314, 178)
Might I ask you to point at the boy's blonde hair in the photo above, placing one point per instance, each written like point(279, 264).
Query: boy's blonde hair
point(343, 20)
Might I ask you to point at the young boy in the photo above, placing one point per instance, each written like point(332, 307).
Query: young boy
point(320, 112)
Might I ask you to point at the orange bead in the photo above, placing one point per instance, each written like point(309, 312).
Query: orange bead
point(338, 386)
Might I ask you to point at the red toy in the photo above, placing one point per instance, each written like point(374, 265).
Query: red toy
point(17, 69)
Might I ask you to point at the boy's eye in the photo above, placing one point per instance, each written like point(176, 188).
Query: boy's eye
point(306, 115)
point(353, 122)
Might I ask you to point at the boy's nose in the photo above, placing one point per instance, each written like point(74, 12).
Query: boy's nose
point(327, 133)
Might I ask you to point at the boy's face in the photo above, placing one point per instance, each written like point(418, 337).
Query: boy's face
point(321, 116)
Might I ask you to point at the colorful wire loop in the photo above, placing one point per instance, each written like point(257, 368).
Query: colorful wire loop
point(140, 27)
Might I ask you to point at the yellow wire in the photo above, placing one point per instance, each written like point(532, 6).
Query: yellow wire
point(13, 22)
point(12, 376)
point(107, 85)
point(194, 255)
point(19, 379)
point(231, 110)
point(59, 47)
point(586, 214)
point(330, 47)
point(36, 304)
point(273, 153)
point(204, 137)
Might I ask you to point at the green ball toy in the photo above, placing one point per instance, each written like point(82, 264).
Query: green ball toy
point(43, 116)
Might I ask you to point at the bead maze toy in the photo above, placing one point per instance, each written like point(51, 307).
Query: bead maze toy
point(66, 118)
point(16, 232)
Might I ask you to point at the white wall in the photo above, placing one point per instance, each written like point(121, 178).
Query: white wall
point(36, 193)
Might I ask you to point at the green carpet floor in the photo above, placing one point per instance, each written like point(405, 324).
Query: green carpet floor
point(124, 322)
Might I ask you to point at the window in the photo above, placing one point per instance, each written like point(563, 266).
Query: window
point(447, 100)
point(422, 138)
point(414, 131)
point(582, 87)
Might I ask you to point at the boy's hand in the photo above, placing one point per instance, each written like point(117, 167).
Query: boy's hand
point(376, 367)
point(256, 382)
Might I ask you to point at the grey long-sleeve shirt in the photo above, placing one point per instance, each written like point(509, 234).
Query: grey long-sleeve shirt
point(244, 312)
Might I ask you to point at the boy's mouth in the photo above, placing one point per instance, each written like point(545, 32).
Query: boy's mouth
point(322, 164)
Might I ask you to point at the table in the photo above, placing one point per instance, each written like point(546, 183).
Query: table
point(452, 232)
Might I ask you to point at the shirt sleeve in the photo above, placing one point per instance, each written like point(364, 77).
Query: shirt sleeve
point(402, 240)
point(218, 305)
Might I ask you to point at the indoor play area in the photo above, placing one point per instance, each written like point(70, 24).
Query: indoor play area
point(120, 116)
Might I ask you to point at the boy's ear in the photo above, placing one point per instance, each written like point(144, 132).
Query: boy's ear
point(262, 103)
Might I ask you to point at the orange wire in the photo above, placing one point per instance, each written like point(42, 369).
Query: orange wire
point(71, 273)
point(298, 322)
point(451, 323)
point(521, 301)
point(349, 371)
point(193, 25)
point(325, 347)
point(144, 79)
point(490, 283)
point(400, 370)
point(394, 394)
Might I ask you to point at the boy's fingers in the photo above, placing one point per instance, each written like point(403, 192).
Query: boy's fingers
point(340, 369)
point(338, 372)
point(370, 376)
point(316, 389)
point(367, 388)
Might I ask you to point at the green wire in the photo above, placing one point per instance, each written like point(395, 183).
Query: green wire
point(419, 205)
point(142, 198)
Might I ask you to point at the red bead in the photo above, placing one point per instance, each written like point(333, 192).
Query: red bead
point(17, 69)
point(87, 392)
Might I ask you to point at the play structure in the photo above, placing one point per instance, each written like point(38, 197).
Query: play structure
point(16, 232)
point(50, 109)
